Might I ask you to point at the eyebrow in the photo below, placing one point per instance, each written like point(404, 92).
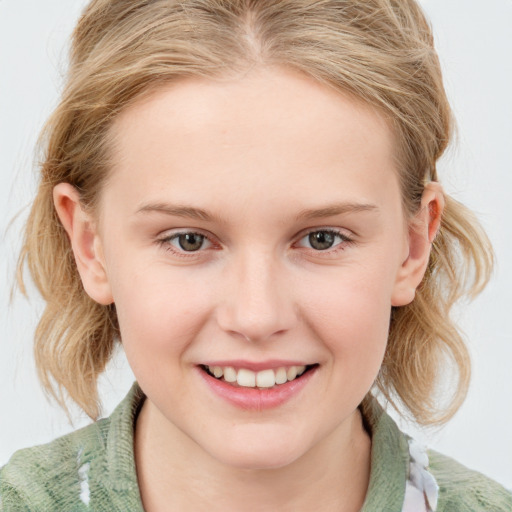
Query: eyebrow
point(335, 209)
point(177, 211)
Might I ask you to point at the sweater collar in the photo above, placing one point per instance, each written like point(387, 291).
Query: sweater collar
point(389, 460)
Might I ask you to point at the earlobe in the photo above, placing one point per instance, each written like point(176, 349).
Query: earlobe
point(85, 242)
point(423, 229)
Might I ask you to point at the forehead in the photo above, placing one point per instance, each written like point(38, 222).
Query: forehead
point(272, 131)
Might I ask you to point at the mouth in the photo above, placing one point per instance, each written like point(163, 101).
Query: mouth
point(271, 378)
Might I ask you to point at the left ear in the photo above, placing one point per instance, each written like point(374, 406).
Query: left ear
point(423, 228)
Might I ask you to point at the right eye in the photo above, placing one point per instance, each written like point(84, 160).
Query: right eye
point(187, 241)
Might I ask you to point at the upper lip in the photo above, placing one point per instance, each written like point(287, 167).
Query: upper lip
point(256, 366)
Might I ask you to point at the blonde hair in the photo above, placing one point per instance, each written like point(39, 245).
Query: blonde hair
point(380, 51)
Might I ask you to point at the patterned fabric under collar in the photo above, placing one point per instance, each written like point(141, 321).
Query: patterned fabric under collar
point(421, 489)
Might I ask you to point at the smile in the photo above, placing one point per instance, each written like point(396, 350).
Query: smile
point(244, 377)
point(257, 389)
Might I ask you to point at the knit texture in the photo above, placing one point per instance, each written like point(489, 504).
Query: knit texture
point(90, 469)
point(93, 469)
point(462, 490)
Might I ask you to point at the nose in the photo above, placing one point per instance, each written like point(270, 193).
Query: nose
point(257, 301)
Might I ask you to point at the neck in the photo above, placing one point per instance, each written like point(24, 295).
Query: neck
point(175, 473)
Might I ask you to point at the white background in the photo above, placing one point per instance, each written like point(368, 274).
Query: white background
point(474, 39)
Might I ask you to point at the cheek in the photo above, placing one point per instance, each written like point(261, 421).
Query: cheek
point(159, 312)
point(350, 298)
point(351, 315)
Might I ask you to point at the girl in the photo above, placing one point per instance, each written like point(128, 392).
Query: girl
point(244, 194)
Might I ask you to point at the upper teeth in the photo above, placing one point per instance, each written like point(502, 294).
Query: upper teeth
point(262, 379)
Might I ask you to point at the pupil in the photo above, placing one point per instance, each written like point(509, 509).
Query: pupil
point(321, 240)
point(191, 241)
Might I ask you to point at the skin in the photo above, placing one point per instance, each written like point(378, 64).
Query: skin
point(254, 153)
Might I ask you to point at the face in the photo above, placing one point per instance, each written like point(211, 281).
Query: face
point(251, 228)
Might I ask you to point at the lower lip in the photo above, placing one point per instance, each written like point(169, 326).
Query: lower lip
point(255, 399)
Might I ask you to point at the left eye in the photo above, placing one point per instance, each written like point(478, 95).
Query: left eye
point(189, 242)
point(322, 240)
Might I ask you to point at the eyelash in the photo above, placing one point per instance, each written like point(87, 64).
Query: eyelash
point(344, 241)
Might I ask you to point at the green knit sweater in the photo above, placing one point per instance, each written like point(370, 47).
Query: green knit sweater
point(93, 469)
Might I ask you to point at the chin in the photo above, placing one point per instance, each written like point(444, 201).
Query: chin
point(256, 461)
point(259, 453)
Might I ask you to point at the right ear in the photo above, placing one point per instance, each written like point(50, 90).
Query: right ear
point(85, 242)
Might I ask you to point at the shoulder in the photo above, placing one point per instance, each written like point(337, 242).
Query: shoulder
point(49, 475)
point(400, 464)
point(91, 468)
point(465, 490)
